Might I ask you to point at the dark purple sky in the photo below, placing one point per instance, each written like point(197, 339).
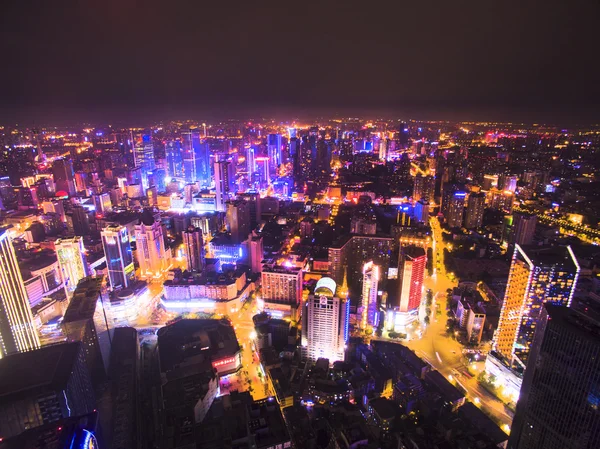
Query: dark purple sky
point(92, 59)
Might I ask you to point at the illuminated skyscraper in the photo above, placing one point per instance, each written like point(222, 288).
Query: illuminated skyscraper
point(536, 277)
point(456, 208)
point(71, 259)
point(411, 272)
point(274, 150)
point(17, 331)
point(369, 307)
point(558, 408)
point(150, 244)
point(474, 213)
point(325, 323)
point(173, 154)
point(194, 248)
point(119, 259)
point(424, 188)
point(224, 182)
point(143, 156)
point(251, 167)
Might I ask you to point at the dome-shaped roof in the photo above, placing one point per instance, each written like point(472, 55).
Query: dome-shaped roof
point(325, 286)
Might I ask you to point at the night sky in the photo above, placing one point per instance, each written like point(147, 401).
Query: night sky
point(122, 59)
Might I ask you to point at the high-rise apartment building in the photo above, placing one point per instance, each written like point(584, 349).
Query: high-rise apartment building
point(369, 310)
point(17, 331)
point(281, 284)
point(325, 323)
point(456, 207)
point(255, 253)
point(475, 208)
point(424, 188)
point(224, 183)
point(150, 243)
point(238, 220)
point(536, 277)
point(194, 249)
point(71, 259)
point(558, 408)
point(119, 259)
point(523, 228)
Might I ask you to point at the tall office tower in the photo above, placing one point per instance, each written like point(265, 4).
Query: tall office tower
point(119, 260)
point(63, 176)
point(403, 135)
point(282, 284)
point(238, 220)
point(523, 228)
point(174, 158)
point(256, 253)
point(194, 248)
point(411, 272)
point(102, 203)
point(17, 331)
point(293, 150)
point(150, 244)
point(322, 163)
point(274, 150)
point(250, 163)
point(424, 188)
point(369, 315)
point(456, 208)
point(325, 320)
point(202, 157)
point(489, 182)
point(81, 222)
point(71, 260)
point(536, 277)
point(143, 156)
point(189, 155)
point(558, 408)
point(224, 182)
point(383, 146)
point(475, 207)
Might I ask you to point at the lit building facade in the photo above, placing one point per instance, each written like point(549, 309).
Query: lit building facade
point(411, 273)
point(325, 322)
point(537, 277)
point(474, 213)
point(281, 284)
point(71, 259)
point(369, 309)
point(456, 208)
point(17, 331)
point(194, 249)
point(119, 258)
point(559, 403)
point(151, 253)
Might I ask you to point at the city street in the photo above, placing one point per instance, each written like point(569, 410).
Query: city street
point(442, 351)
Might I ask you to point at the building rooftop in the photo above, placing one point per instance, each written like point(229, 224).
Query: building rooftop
point(47, 367)
point(209, 339)
point(385, 408)
point(66, 433)
point(85, 297)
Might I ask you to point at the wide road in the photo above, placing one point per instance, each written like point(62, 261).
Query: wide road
point(442, 351)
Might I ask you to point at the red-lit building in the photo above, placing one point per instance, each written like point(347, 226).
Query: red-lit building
point(411, 272)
